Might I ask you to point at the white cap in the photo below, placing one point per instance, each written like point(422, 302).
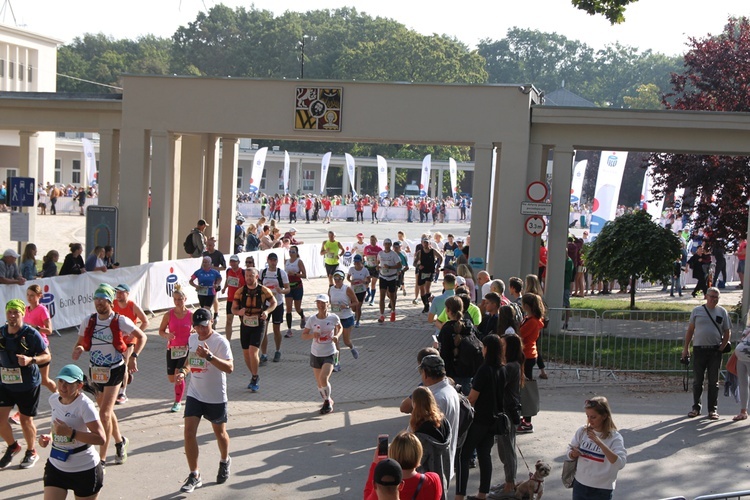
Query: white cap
point(321, 297)
point(460, 280)
point(10, 253)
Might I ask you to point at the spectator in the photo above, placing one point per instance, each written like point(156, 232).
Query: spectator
point(95, 260)
point(9, 273)
point(73, 263)
point(49, 264)
point(28, 262)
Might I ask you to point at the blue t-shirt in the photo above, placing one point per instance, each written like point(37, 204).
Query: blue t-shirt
point(438, 303)
point(206, 280)
point(28, 342)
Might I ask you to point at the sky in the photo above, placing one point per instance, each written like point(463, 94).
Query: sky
point(661, 25)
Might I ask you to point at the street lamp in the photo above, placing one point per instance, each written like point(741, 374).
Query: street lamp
point(302, 59)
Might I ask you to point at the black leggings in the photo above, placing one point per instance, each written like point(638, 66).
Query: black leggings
point(528, 368)
point(481, 438)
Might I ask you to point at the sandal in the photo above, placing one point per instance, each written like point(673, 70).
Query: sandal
point(713, 415)
point(741, 416)
point(693, 413)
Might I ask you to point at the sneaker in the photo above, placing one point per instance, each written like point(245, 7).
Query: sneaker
point(381, 319)
point(393, 316)
point(121, 399)
point(223, 474)
point(355, 353)
point(414, 302)
point(288, 334)
point(372, 303)
point(473, 463)
point(302, 322)
point(193, 481)
point(277, 356)
point(337, 367)
point(30, 459)
point(425, 310)
point(263, 359)
point(524, 428)
point(253, 385)
point(327, 407)
point(121, 451)
point(176, 407)
point(11, 452)
point(356, 325)
point(15, 418)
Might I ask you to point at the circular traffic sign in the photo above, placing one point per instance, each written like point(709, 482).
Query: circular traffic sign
point(535, 225)
point(537, 191)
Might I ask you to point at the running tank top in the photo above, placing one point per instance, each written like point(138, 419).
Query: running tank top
point(339, 298)
point(128, 311)
point(332, 252)
point(293, 267)
point(180, 328)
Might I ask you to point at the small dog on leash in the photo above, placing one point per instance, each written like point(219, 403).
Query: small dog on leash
point(534, 487)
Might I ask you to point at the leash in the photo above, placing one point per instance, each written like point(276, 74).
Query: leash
point(524, 460)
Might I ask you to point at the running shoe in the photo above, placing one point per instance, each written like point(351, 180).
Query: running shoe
point(327, 407)
point(193, 481)
point(223, 474)
point(121, 399)
point(11, 452)
point(425, 310)
point(414, 302)
point(263, 359)
point(288, 334)
point(372, 302)
point(524, 428)
point(393, 316)
point(355, 353)
point(121, 451)
point(302, 322)
point(277, 356)
point(253, 385)
point(29, 459)
point(15, 418)
point(381, 319)
point(176, 407)
point(337, 367)
point(356, 325)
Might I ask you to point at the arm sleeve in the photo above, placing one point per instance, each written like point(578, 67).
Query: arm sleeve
point(618, 448)
point(574, 443)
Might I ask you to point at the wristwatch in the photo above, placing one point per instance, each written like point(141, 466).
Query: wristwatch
point(134, 355)
point(209, 357)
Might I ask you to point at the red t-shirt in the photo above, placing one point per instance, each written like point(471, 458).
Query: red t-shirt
point(233, 275)
point(432, 486)
point(326, 204)
point(308, 204)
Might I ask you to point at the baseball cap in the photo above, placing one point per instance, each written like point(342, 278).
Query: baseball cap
point(321, 297)
point(387, 241)
point(360, 235)
point(292, 230)
point(122, 287)
point(357, 258)
point(202, 222)
point(105, 291)
point(388, 473)
point(201, 317)
point(273, 256)
point(433, 362)
point(339, 273)
point(460, 280)
point(234, 258)
point(397, 244)
point(10, 253)
point(70, 374)
point(240, 217)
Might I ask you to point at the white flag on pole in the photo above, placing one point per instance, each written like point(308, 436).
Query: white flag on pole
point(89, 161)
point(350, 171)
point(257, 172)
point(453, 170)
point(286, 172)
point(608, 182)
point(382, 176)
point(576, 186)
point(324, 171)
point(425, 180)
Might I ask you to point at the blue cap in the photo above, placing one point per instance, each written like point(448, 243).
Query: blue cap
point(357, 258)
point(70, 374)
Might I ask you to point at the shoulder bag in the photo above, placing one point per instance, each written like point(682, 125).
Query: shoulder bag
point(529, 398)
point(569, 469)
point(500, 421)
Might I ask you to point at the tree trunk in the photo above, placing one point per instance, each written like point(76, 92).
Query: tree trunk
point(632, 292)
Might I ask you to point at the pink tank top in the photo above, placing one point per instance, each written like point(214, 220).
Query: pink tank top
point(36, 318)
point(180, 328)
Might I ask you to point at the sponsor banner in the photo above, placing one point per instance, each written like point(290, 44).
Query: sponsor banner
point(453, 170)
point(259, 161)
point(424, 182)
point(324, 171)
point(576, 186)
point(608, 182)
point(350, 166)
point(286, 172)
point(382, 177)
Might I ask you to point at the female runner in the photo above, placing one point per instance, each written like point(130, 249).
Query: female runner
point(176, 326)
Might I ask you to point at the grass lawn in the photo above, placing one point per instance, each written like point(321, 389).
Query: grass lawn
point(600, 305)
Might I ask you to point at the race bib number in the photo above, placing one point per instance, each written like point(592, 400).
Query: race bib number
point(197, 363)
point(359, 287)
point(58, 439)
point(178, 352)
point(331, 256)
point(426, 276)
point(202, 290)
point(251, 321)
point(11, 375)
point(371, 261)
point(233, 281)
point(337, 307)
point(100, 374)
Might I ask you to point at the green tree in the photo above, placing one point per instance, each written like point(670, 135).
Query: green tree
point(633, 247)
point(613, 10)
point(647, 97)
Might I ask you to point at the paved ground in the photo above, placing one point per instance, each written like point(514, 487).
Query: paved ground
point(282, 447)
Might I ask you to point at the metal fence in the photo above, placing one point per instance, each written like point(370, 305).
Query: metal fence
point(717, 496)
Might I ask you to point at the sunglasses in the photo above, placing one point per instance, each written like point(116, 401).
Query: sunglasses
point(590, 403)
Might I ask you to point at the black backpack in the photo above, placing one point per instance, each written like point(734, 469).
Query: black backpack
point(189, 244)
point(467, 351)
point(465, 418)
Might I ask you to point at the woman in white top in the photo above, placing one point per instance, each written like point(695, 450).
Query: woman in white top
point(600, 452)
point(324, 330)
point(360, 278)
point(73, 463)
point(296, 271)
point(343, 302)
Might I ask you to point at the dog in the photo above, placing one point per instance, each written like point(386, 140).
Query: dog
point(533, 488)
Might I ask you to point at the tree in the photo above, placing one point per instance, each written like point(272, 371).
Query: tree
point(633, 247)
point(613, 10)
point(716, 78)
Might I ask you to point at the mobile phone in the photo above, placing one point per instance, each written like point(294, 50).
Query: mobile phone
point(383, 446)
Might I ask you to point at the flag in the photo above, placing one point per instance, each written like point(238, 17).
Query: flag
point(257, 172)
point(350, 171)
point(324, 171)
point(286, 172)
point(89, 161)
point(425, 180)
point(579, 172)
point(652, 207)
point(453, 170)
point(608, 182)
point(382, 176)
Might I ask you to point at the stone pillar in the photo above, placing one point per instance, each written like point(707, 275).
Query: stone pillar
point(441, 174)
point(480, 232)
point(562, 173)
point(230, 149)
point(109, 167)
point(162, 187)
point(344, 181)
point(211, 184)
point(190, 188)
point(28, 166)
point(536, 171)
point(392, 182)
point(176, 251)
point(358, 175)
point(133, 198)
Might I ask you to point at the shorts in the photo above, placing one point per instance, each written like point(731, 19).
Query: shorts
point(206, 300)
point(174, 364)
point(361, 297)
point(277, 316)
point(740, 266)
point(116, 376)
point(252, 335)
point(389, 285)
point(317, 362)
point(373, 271)
point(26, 401)
point(229, 307)
point(347, 322)
point(566, 298)
point(581, 269)
point(296, 293)
point(331, 268)
point(421, 281)
point(216, 413)
point(83, 484)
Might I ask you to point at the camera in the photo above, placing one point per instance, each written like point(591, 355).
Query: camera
point(685, 360)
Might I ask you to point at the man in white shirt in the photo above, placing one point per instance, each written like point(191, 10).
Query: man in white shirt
point(389, 265)
point(275, 279)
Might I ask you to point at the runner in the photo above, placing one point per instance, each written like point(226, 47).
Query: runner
point(296, 271)
point(404, 266)
point(37, 316)
point(343, 301)
point(359, 277)
point(209, 361)
point(324, 330)
point(277, 281)
point(208, 281)
point(332, 251)
point(389, 264)
point(176, 326)
point(235, 280)
point(424, 263)
point(405, 248)
point(103, 335)
point(129, 309)
point(371, 263)
point(358, 248)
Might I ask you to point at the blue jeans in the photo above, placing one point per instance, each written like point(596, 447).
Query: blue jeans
point(676, 283)
point(581, 492)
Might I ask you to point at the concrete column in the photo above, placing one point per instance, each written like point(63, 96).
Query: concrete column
point(441, 174)
point(297, 181)
point(562, 173)
point(133, 199)
point(358, 175)
point(109, 167)
point(211, 184)
point(536, 171)
point(28, 166)
point(433, 175)
point(191, 187)
point(344, 180)
point(176, 251)
point(480, 232)
point(392, 182)
point(162, 187)
point(230, 150)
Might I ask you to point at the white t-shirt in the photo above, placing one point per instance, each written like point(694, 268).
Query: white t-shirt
point(271, 281)
point(77, 414)
point(359, 248)
point(340, 303)
point(323, 345)
point(208, 384)
point(388, 259)
point(359, 279)
point(102, 352)
point(485, 290)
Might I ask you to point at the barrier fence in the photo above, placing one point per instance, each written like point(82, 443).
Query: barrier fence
point(730, 495)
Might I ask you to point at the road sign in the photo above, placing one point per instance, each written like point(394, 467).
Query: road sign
point(537, 191)
point(535, 226)
point(21, 192)
point(531, 208)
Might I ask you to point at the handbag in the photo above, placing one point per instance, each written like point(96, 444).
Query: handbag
point(732, 364)
point(529, 398)
point(500, 421)
point(569, 470)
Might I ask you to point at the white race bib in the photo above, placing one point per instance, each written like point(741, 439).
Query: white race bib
point(233, 281)
point(251, 321)
point(11, 375)
point(100, 374)
point(178, 352)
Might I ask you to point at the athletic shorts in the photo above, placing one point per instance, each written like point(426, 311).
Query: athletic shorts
point(347, 322)
point(83, 484)
point(116, 376)
point(389, 285)
point(252, 335)
point(296, 293)
point(26, 401)
point(277, 316)
point(428, 279)
point(206, 300)
point(361, 297)
point(740, 266)
point(373, 271)
point(216, 413)
point(331, 268)
point(229, 307)
point(317, 362)
point(174, 364)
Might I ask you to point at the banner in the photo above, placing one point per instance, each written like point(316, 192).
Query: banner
point(608, 182)
point(324, 171)
point(576, 186)
point(652, 207)
point(350, 171)
point(425, 180)
point(257, 172)
point(286, 172)
point(382, 177)
point(453, 170)
point(89, 161)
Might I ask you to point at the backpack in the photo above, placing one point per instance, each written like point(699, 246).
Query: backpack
point(278, 276)
point(517, 311)
point(117, 341)
point(189, 244)
point(467, 352)
point(465, 418)
point(239, 235)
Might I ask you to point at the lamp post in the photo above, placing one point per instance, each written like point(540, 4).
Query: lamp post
point(302, 59)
